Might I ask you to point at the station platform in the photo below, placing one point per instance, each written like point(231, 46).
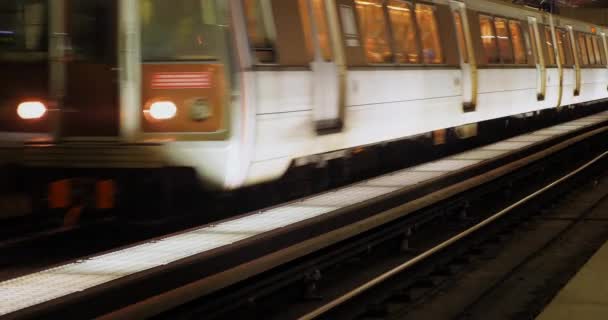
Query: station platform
point(585, 296)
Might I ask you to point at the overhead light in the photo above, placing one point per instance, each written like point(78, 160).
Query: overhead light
point(31, 110)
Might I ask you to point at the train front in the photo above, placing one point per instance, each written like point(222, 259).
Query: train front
point(110, 94)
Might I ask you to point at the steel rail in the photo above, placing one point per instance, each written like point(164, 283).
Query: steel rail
point(355, 292)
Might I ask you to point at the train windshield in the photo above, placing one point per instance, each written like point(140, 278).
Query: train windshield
point(184, 30)
point(23, 30)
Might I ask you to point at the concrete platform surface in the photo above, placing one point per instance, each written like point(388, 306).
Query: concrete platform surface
point(585, 297)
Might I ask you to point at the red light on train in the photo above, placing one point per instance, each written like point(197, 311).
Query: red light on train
point(31, 110)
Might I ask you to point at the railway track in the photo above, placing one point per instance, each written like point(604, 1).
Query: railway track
point(341, 282)
point(529, 265)
point(301, 261)
point(395, 298)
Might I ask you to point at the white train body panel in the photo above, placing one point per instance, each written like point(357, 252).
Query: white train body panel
point(385, 105)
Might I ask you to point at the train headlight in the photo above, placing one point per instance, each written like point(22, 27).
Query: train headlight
point(31, 110)
point(162, 110)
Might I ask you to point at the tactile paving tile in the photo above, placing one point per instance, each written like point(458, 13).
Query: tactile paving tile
point(569, 127)
point(445, 165)
point(599, 117)
point(44, 286)
point(586, 124)
point(507, 146)
point(271, 219)
point(550, 132)
point(563, 127)
point(108, 266)
point(405, 178)
point(348, 196)
point(478, 155)
point(584, 121)
point(527, 138)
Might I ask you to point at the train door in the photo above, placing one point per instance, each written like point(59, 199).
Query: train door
point(468, 62)
point(328, 66)
point(541, 70)
point(91, 106)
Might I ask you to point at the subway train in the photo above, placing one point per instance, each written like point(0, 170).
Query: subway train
point(238, 92)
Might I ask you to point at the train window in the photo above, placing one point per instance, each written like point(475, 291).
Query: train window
point(23, 29)
point(596, 49)
point(582, 50)
point(429, 34)
point(519, 48)
point(550, 47)
point(172, 31)
point(561, 54)
point(320, 19)
point(533, 42)
point(504, 41)
point(565, 47)
point(92, 34)
point(488, 40)
point(462, 44)
point(404, 33)
point(589, 44)
point(374, 31)
point(261, 29)
point(602, 52)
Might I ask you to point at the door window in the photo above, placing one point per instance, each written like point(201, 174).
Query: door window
point(23, 29)
point(462, 44)
point(550, 47)
point(533, 42)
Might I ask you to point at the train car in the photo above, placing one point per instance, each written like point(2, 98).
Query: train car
point(239, 91)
